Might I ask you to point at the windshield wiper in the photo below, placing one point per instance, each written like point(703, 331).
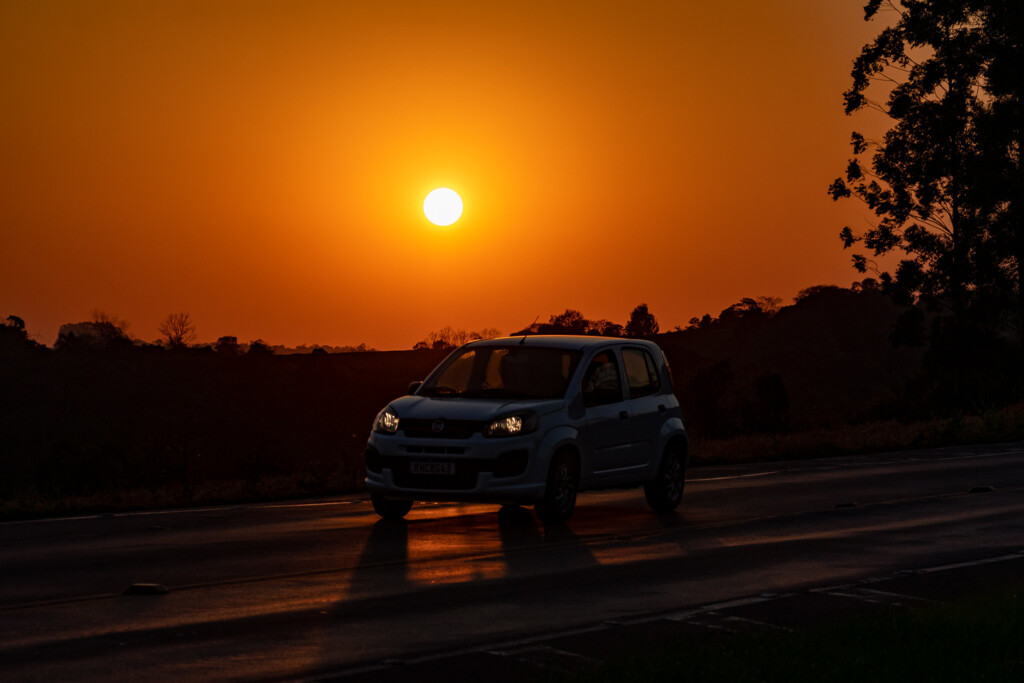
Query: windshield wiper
point(497, 392)
point(441, 391)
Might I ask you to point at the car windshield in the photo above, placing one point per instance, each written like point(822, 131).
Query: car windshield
point(513, 371)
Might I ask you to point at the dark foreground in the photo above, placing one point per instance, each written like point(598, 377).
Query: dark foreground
point(324, 590)
point(953, 622)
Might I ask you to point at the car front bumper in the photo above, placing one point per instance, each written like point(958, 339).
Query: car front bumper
point(507, 470)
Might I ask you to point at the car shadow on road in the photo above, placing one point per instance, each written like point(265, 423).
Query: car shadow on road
point(384, 558)
point(531, 548)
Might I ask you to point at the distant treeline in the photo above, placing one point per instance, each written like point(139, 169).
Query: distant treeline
point(82, 419)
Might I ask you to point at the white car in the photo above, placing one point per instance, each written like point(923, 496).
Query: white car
point(532, 419)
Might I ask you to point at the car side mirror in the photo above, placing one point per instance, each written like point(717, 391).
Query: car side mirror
point(413, 386)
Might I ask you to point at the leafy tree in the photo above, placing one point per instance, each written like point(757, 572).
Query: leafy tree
point(818, 290)
point(104, 331)
point(746, 308)
point(769, 305)
point(487, 333)
point(101, 318)
point(448, 338)
point(14, 323)
point(570, 322)
point(1002, 25)
point(929, 180)
point(178, 329)
point(228, 346)
point(642, 323)
point(259, 349)
point(13, 333)
point(604, 328)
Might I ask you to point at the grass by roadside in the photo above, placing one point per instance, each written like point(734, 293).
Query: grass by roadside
point(320, 479)
point(996, 426)
point(32, 504)
point(973, 639)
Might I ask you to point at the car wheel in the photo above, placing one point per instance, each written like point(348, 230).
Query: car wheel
point(560, 492)
point(389, 508)
point(666, 491)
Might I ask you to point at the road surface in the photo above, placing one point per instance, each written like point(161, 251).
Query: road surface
point(323, 589)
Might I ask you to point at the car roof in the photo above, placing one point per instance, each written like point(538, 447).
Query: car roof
point(561, 341)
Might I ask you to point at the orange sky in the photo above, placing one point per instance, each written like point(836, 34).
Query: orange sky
point(262, 165)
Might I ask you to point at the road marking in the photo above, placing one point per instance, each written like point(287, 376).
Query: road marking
point(859, 595)
point(899, 596)
point(733, 476)
point(689, 614)
point(182, 511)
point(975, 563)
point(522, 654)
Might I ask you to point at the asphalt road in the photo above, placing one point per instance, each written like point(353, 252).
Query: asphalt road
point(323, 589)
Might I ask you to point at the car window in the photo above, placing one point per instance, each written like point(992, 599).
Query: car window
point(641, 373)
point(455, 378)
point(601, 382)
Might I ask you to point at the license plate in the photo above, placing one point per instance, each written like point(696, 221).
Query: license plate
point(431, 468)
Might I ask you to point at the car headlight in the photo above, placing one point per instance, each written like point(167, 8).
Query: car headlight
point(386, 421)
point(512, 425)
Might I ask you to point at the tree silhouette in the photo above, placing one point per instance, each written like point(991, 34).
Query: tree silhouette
point(12, 332)
point(101, 318)
point(1003, 30)
point(13, 322)
point(604, 328)
point(178, 330)
point(931, 180)
point(104, 331)
point(449, 337)
point(569, 322)
point(259, 349)
point(642, 323)
point(228, 346)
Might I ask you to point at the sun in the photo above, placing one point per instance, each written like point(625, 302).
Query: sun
point(442, 206)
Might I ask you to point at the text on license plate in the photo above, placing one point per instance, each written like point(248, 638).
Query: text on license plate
point(431, 468)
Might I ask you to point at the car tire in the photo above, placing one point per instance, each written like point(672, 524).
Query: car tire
point(666, 491)
point(563, 483)
point(389, 508)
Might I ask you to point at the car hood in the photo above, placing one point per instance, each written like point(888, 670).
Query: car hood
point(433, 407)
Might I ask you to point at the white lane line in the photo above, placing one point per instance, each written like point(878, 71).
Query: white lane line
point(522, 654)
point(183, 511)
point(856, 596)
point(898, 596)
point(689, 614)
point(975, 563)
point(733, 476)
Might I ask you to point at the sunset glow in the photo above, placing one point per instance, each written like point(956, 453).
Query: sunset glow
point(262, 165)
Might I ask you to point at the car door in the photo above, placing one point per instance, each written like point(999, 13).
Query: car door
point(645, 404)
point(604, 433)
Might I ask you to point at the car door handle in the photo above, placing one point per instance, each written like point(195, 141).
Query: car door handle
point(661, 408)
point(624, 415)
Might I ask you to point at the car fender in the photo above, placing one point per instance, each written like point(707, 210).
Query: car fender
point(671, 429)
point(556, 438)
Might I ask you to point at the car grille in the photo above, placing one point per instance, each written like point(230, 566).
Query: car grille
point(436, 450)
point(441, 429)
